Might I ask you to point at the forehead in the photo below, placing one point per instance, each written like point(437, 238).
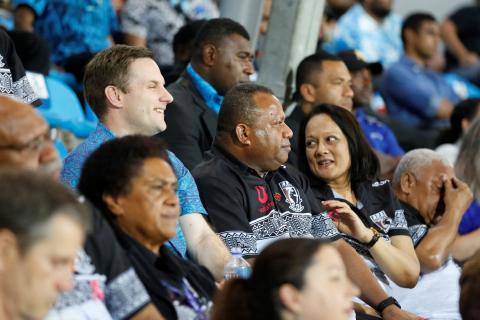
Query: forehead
point(331, 70)
point(268, 105)
point(322, 123)
point(20, 124)
point(436, 170)
point(427, 26)
point(327, 258)
point(236, 43)
point(157, 168)
point(143, 70)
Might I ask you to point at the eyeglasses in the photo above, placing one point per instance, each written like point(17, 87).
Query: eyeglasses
point(36, 143)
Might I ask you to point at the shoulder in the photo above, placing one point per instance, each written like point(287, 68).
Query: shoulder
point(378, 189)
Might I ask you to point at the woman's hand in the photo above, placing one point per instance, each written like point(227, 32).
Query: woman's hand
point(347, 221)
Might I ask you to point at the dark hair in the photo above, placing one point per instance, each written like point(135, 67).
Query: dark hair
point(187, 34)
point(308, 66)
point(214, 31)
point(239, 106)
point(470, 288)
point(364, 163)
point(29, 201)
point(414, 22)
point(284, 261)
point(111, 168)
point(109, 67)
point(465, 109)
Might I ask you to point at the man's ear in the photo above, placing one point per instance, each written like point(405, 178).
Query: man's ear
point(8, 247)
point(409, 35)
point(307, 92)
point(242, 133)
point(114, 96)
point(407, 182)
point(114, 204)
point(290, 298)
point(209, 54)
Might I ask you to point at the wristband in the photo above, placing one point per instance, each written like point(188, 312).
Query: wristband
point(385, 303)
point(376, 236)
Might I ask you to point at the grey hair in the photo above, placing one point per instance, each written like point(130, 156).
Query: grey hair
point(467, 166)
point(413, 161)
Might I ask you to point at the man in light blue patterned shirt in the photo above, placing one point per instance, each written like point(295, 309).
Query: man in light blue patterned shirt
point(125, 89)
point(75, 30)
point(370, 27)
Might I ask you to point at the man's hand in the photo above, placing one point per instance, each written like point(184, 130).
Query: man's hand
point(458, 197)
point(393, 312)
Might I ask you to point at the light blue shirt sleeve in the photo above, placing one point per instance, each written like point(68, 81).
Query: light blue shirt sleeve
point(187, 188)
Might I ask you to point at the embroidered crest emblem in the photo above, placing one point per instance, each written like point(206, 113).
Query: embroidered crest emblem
point(383, 221)
point(292, 196)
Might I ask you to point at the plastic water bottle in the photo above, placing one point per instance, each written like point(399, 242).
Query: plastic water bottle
point(237, 267)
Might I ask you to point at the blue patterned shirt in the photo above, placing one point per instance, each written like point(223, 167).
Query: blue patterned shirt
point(356, 29)
point(211, 97)
point(187, 188)
point(73, 26)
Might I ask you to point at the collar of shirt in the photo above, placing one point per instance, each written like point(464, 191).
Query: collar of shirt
point(411, 64)
point(412, 212)
point(104, 132)
point(225, 155)
point(211, 97)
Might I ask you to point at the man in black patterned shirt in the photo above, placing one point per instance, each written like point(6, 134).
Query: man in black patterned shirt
point(254, 199)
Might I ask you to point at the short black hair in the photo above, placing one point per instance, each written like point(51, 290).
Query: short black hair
point(239, 106)
point(111, 168)
point(29, 201)
point(308, 66)
point(414, 22)
point(187, 33)
point(214, 31)
point(364, 162)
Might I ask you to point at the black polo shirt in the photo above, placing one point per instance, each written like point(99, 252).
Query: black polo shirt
point(250, 212)
point(416, 224)
point(378, 207)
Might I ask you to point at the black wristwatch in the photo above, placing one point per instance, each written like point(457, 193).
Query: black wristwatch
point(385, 303)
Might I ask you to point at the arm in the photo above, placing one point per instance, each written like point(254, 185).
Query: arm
point(133, 24)
point(455, 46)
point(397, 259)
point(388, 164)
point(434, 249)
point(371, 292)
point(204, 245)
point(466, 245)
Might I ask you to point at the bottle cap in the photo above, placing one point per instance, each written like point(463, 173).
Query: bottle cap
point(236, 251)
